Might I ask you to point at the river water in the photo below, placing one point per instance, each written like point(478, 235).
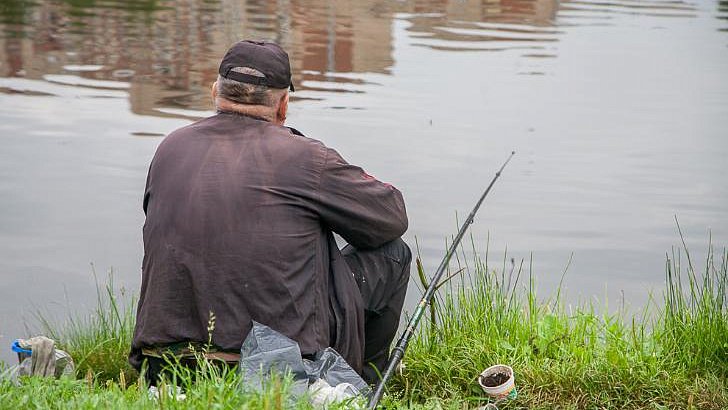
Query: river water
point(618, 110)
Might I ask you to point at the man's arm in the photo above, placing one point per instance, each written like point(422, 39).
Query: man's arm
point(366, 212)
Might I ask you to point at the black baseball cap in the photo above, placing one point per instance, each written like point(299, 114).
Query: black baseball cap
point(267, 57)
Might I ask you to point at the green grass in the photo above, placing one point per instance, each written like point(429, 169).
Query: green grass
point(673, 354)
point(212, 389)
point(576, 356)
point(99, 343)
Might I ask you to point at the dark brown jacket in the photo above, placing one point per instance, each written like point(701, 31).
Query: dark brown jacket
point(239, 215)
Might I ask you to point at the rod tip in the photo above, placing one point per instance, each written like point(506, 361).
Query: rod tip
point(513, 152)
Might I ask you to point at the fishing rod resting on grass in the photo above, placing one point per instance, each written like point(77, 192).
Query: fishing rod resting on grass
point(398, 351)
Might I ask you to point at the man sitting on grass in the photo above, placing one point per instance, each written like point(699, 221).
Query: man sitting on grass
point(240, 214)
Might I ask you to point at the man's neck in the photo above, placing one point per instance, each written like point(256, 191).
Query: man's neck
point(257, 111)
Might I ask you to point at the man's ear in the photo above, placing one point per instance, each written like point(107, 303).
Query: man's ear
point(213, 92)
point(282, 109)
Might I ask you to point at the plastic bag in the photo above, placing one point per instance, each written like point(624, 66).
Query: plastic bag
point(267, 351)
point(39, 357)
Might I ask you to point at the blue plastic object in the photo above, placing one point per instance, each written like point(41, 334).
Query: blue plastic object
point(17, 349)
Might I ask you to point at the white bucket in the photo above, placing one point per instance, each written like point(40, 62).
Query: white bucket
point(503, 390)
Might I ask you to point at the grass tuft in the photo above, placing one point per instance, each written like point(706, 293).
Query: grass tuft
point(99, 342)
point(693, 328)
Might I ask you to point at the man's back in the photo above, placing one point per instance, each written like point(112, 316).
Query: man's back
point(238, 218)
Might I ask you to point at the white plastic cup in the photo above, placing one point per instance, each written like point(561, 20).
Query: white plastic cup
point(503, 390)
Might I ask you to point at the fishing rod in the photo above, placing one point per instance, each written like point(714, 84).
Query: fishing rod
point(398, 351)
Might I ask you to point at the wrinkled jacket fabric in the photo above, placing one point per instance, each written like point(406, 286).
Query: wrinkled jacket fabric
point(239, 220)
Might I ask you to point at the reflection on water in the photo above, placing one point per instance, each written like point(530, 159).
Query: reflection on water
point(508, 26)
point(648, 8)
point(166, 52)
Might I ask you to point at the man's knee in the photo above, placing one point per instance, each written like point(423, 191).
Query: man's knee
point(380, 271)
point(398, 250)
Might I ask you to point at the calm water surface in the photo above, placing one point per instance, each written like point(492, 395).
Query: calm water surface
point(618, 111)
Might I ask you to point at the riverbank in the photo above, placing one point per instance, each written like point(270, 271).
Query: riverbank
point(672, 354)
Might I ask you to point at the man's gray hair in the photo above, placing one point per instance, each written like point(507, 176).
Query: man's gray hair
point(248, 94)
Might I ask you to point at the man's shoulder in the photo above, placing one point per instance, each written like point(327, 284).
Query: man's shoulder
point(185, 132)
point(298, 137)
point(192, 129)
point(288, 139)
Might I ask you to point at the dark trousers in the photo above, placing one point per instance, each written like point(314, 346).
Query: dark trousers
point(382, 275)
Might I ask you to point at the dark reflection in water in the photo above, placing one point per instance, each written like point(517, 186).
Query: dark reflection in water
point(496, 26)
point(166, 52)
